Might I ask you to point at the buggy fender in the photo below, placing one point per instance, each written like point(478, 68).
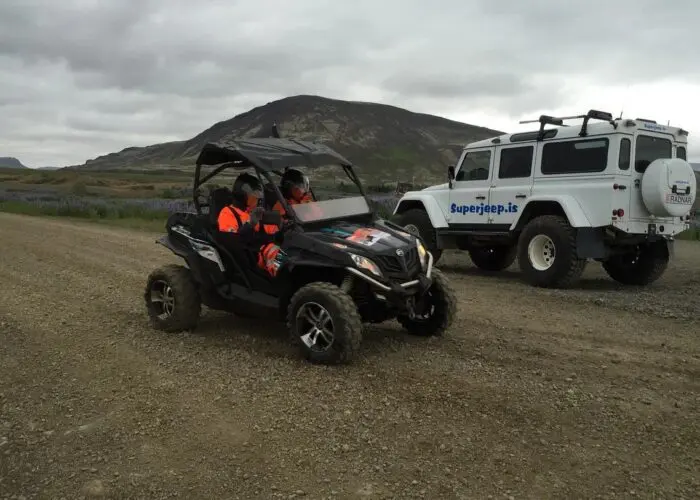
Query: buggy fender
point(424, 201)
point(538, 205)
point(174, 247)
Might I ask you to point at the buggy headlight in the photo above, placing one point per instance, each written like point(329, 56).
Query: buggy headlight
point(422, 253)
point(365, 263)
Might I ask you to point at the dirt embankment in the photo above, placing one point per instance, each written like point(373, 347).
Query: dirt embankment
point(588, 393)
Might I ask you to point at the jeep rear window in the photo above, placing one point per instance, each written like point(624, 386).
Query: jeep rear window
point(575, 157)
point(625, 151)
point(680, 153)
point(515, 162)
point(648, 149)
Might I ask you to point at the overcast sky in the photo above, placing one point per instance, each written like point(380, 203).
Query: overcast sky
point(80, 78)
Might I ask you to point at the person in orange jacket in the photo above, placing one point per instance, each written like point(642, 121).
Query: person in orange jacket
point(295, 189)
point(243, 217)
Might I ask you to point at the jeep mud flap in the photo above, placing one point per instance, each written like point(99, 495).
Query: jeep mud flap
point(590, 243)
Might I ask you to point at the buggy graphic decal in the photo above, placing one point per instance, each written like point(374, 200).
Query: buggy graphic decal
point(367, 236)
point(363, 236)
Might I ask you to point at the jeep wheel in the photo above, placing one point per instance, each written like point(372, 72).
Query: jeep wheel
point(435, 311)
point(417, 222)
point(172, 299)
point(547, 253)
point(644, 265)
point(494, 258)
point(324, 323)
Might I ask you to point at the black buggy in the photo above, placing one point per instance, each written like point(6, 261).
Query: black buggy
point(344, 265)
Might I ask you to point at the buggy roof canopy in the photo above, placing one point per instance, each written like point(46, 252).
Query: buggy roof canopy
point(269, 153)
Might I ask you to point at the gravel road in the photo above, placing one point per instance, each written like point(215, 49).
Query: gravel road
point(588, 393)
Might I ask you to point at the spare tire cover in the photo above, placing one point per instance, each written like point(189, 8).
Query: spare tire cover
point(669, 187)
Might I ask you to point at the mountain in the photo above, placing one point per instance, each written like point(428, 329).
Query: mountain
point(385, 142)
point(9, 162)
point(49, 168)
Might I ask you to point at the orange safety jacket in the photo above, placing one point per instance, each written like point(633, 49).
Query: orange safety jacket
point(232, 218)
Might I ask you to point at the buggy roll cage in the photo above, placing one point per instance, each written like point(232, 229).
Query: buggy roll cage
point(553, 120)
point(251, 160)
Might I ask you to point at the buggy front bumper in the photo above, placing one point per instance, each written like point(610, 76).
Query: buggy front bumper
point(407, 288)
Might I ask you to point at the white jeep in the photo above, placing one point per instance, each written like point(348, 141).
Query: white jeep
point(615, 190)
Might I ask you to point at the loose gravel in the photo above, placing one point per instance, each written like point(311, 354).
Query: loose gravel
point(585, 393)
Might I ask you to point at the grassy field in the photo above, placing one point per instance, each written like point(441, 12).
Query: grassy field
point(133, 198)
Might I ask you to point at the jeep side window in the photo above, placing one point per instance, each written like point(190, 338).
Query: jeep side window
point(625, 150)
point(575, 157)
point(516, 162)
point(475, 166)
point(648, 149)
point(680, 153)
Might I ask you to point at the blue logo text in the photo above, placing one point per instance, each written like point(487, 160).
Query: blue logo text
point(482, 209)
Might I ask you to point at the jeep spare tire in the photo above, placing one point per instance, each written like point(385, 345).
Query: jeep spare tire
point(669, 187)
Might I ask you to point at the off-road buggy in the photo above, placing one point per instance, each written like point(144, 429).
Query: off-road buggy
point(344, 266)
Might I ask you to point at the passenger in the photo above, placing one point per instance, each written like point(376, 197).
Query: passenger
point(296, 190)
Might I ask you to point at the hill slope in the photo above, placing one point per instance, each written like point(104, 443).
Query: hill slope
point(9, 162)
point(385, 142)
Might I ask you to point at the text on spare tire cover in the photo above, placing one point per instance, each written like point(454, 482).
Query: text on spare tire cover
point(679, 199)
point(483, 208)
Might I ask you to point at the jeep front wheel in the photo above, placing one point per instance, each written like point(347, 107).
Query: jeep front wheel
point(493, 258)
point(547, 253)
point(172, 299)
point(642, 266)
point(417, 222)
point(324, 323)
point(435, 311)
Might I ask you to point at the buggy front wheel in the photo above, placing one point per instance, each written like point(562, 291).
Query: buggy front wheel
point(172, 299)
point(435, 311)
point(324, 323)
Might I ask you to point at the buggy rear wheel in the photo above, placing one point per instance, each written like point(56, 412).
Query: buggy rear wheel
point(324, 323)
point(172, 299)
point(435, 311)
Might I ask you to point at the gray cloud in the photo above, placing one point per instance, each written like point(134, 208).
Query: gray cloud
point(80, 78)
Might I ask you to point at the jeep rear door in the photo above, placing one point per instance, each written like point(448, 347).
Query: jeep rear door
point(469, 196)
point(511, 183)
point(648, 146)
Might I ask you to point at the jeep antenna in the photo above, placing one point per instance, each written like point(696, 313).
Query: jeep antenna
point(623, 107)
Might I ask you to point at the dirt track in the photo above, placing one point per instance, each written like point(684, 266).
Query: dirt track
point(534, 393)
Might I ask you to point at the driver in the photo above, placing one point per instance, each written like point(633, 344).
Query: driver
point(295, 188)
point(243, 217)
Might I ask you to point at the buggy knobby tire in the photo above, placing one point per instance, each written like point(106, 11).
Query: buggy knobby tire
point(547, 253)
point(444, 300)
point(417, 220)
point(641, 267)
point(186, 302)
point(493, 258)
point(345, 320)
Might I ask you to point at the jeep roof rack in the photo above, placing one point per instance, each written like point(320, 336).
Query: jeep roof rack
point(559, 120)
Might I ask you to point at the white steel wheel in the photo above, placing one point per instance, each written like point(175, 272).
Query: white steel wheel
point(541, 252)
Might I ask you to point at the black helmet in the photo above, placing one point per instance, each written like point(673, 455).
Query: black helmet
point(247, 191)
point(293, 178)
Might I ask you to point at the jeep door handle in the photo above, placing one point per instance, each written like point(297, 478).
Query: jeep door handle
point(480, 197)
point(521, 196)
